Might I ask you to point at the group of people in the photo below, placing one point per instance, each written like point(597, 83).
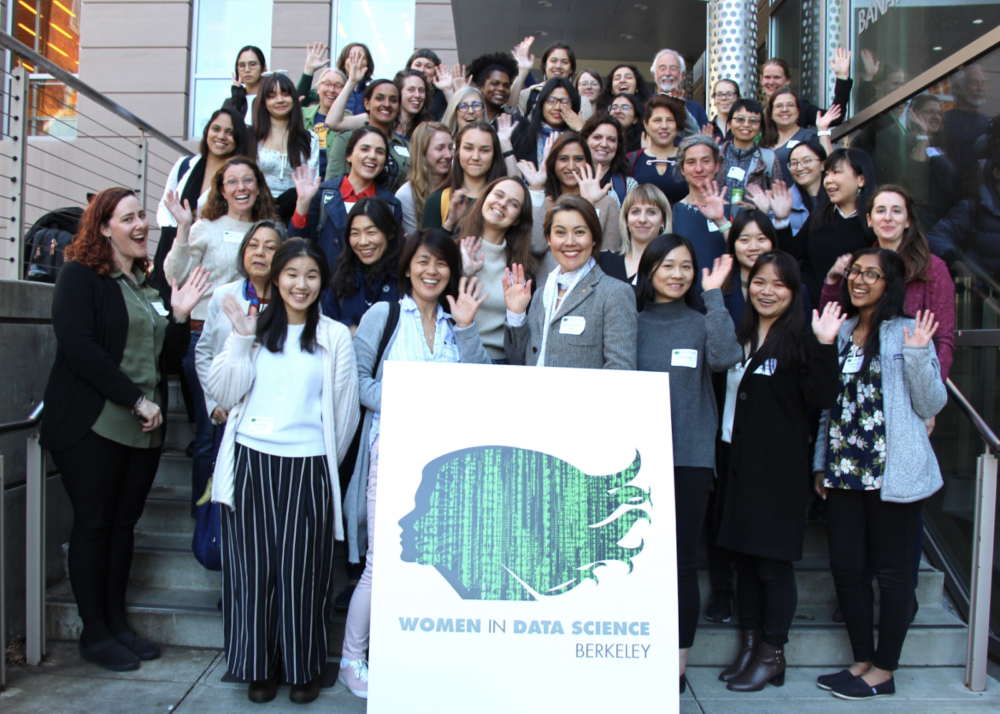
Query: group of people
point(464, 215)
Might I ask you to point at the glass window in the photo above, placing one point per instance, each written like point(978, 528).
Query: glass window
point(385, 26)
point(222, 27)
point(796, 40)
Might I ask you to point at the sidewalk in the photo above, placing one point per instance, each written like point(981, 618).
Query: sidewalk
point(189, 681)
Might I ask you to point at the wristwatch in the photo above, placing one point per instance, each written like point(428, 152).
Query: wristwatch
point(135, 408)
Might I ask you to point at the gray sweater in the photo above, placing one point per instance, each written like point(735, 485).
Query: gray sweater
point(665, 327)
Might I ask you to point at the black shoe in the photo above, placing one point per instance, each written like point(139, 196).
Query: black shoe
point(837, 616)
point(189, 451)
point(263, 690)
point(305, 693)
point(857, 688)
point(720, 607)
point(110, 654)
point(342, 603)
point(684, 683)
point(827, 681)
point(143, 649)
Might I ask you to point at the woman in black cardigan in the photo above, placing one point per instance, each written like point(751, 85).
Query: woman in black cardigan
point(102, 420)
point(766, 422)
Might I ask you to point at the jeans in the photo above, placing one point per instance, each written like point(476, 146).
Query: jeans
point(204, 430)
point(691, 488)
point(766, 595)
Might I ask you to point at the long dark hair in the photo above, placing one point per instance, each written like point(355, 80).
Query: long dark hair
point(441, 245)
point(344, 281)
point(257, 51)
point(740, 222)
point(383, 178)
point(497, 169)
point(298, 142)
point(784, 339)
point(891, 304)
point(657, 250)
point(861, 164)
point(425, 111)
point(272, 325)
point(241, 139)
point(771, 134)
point(553, 189)
point(517, 237)
point(913, 248)
point(608, 92)
point(633, 135)
point(619, 163)
point(534, 125)
point(813, 146)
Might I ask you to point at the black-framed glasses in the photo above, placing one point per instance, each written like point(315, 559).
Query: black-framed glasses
point(724, 95)
point(466, 106)
point(801, 163)
point(750, 121)
point(868, 277)
point(553, 101)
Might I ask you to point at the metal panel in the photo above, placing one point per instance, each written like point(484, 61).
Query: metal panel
point(982, 573)
point(34, 565)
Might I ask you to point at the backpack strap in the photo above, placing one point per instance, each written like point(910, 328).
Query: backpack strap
point(445, 204)
point(390, 327)
point(618, 184)
point(768, 156)
point(632, 156)
point(322, 209)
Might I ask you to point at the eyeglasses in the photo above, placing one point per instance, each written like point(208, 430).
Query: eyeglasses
point(868, 277)
point(751, 121)
point(589, 85)
point(554, 101)
point(724, 95)
point(621, 107)
point(800, 164)
point(466, 106)
point(277, 71)
point(246, 181)
point(248, 65)
point(780, 107)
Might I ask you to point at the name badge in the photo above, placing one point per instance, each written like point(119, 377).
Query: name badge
point(684, 358)
point(712, 228)
point(792, 143)
point(767, 368)
point(349, 206)
point(853, 364)
point(232, 237)
point(572, 325)
point(932, 152)
point(160, 310)
point(737, 173)
point(598, 211)
point(402, 151)
point(260, 426)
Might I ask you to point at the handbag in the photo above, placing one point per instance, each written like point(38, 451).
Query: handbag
point(206, 543)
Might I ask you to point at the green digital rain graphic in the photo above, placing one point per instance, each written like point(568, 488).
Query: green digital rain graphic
point(499, 522)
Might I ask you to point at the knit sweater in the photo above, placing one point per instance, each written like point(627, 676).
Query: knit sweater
point(213, 245)
point(492, 314)
point(705, 342)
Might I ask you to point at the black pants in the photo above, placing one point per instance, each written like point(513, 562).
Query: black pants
point(691, 489)
point(107, 484)
point(720, 560)
point(863, 529)
point(766, 596)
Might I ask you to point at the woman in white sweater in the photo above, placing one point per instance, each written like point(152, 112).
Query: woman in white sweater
point(290, 384)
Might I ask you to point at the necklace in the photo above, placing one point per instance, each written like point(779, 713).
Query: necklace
point(142, 302)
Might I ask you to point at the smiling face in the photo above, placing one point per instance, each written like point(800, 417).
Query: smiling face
point(623, 81)
point(553, 106)
point(368, 157)
point(440, 152)
point(570, 240)
point(588, 85)
point(259, 251)
point(414, 94)
point(745, 126)
point(569, 159)
point(429, 274)
point(769, 294)
point(699, 164)
point(329, 88)
point(503, 204)
point(470, 110)
point(279, 103)
point(622, 110)
point(645, 222)
point(674, 275)
point(603, 143)
point(475, 154)
point(668, 72)
point(127, 229)
point(240, 189)
point(221, 142)
point(887, 218)
point(866, 281)
point(932, 116)
point(805, 166)
point(496, 89)
point(751, 244)
point(661, 126)
point(422, 64)
point(785, 111)
point(248, 68)
point(299, 285)
point(773, 78)
point(367, 241)
point(724, 96)
point(842, 184)
point(558, 64)
point(383, 107)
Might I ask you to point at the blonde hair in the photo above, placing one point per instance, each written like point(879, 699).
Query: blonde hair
point(450, 118)
point(422, 182)
point(646, 195)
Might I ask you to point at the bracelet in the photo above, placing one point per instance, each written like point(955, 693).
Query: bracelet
point(508, 153)
point(825, 132)
point(725, 227)
point(923, 137)
point(135, 409)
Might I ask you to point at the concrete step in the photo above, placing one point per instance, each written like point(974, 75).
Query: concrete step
point(179, 433)
point(175, 469)
point(166, 561)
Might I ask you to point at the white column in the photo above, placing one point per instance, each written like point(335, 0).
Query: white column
point(732, 44)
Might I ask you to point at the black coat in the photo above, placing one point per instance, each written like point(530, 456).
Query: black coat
point(768, 486)
point(91, 324)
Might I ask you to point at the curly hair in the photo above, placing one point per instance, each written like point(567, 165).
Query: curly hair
point(92, 248)
point(216, 206)
point(481, 67)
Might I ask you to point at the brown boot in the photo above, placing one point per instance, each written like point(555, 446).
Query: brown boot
point(768, 665)
point(263, 690)
point(748, 648)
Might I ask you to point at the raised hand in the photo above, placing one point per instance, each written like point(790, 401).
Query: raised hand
point(516, 292)
point(458, 206)
point(823, 121)
point(525, 61)
point(181, 212)
point(871, 65)
point(590, 185)
point(316, 57)
point(442, 78)
point(356, 68)
point(840, 63)
point(923, 330)
point(183, 300)
point(243, 324)
point(708, 130)
point(917, 124)
point(573, 119)
point(547, 146)
point(473, 259)
point(716, 278)
point(839, 269)
point(714, 206)
point(761, 198)
point(236, 80)
point(306, 182)
point(470, 297)
point(458, 76)
point(781, 199)
point(505, 128)
point(827, 325)
point(535, 176)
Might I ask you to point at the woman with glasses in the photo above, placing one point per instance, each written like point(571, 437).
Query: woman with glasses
point(247, 75)
point(725, 92)
point(466, 106)
point(744, 163)
point(623, 79)
point(805, 164)
point(657, 165)
point(558, 60)
point(606, 140)
point(875, 465)
point(431, 153)
point(557, 109)
point(782, 132)
point(331, 84)
point(589, 84)
point(627, 109)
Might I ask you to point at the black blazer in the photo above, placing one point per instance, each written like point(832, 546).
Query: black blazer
point(91, 323)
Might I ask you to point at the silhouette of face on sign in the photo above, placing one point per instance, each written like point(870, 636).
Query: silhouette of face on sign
point(502, 523)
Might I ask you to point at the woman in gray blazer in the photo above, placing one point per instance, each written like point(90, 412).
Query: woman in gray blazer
point(581, 318)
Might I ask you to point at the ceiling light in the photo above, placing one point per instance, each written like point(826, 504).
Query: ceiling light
point(626, 36)
point(541, 33)
point(977, 22)
point(937, 49)
point(640, 6)
point(544, 3)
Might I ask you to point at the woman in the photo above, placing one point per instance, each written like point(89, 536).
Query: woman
point(835, 226)
point(247, 75)
point(321, 208)
point(366, 273)
point(765, 434)
point(724, 93)
point(568, 170)
point(412, 87)
point(676, 337)
point(331, 84)
point(775, 74)
point(657, 164)
point(191, 177)
point(282, 141)
point(627, 109)
point(239, 198)
point(467, 106)
point(358, 54)
point(558, 62)
point(557, 110)
point(431, 154)
point(875, 465)
point(606, 139)
point(103, 422)
point(805, 164)
point(421, 331)
point(597, 313)
point(497, 234)
point(751, 236)
point(645, 214)
point(289, 382)
point(782, 131)
point(743, 162)
point(478, 161)
point(251, 289)
point(589, 84)
point(622, 79)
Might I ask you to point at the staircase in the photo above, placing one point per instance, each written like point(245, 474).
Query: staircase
point(173, 600)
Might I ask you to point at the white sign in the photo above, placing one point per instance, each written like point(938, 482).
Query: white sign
point(525, 542)
point(867, 16)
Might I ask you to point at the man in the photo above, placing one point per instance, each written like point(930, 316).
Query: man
point(963, 125)
point(668, 71)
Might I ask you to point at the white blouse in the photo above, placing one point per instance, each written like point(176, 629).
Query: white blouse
point(276, 169)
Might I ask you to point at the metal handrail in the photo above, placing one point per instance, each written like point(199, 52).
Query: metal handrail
point(987, 435)
point(71, 80)
point(31, 422)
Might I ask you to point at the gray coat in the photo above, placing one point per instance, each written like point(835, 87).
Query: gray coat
point(607, 342)
point(912, 392)
point(366, 342)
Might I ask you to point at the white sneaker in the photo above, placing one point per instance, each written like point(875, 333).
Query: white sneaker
point(354, 675)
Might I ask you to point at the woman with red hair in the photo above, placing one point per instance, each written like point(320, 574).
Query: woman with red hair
point(103, 421)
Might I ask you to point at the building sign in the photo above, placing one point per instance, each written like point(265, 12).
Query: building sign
point(867, 16)
point(525, 542)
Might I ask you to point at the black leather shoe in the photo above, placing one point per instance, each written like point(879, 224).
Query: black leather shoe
point(143, 649)
point(263, 690)
point(857, 688)
point(305, 693)
point(827, 681)
point(720, 606)
point(110, 654)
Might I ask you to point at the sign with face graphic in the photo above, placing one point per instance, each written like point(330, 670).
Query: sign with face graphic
point(525, 541)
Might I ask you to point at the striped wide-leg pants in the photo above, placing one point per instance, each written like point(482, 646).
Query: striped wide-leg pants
point(277, 550)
